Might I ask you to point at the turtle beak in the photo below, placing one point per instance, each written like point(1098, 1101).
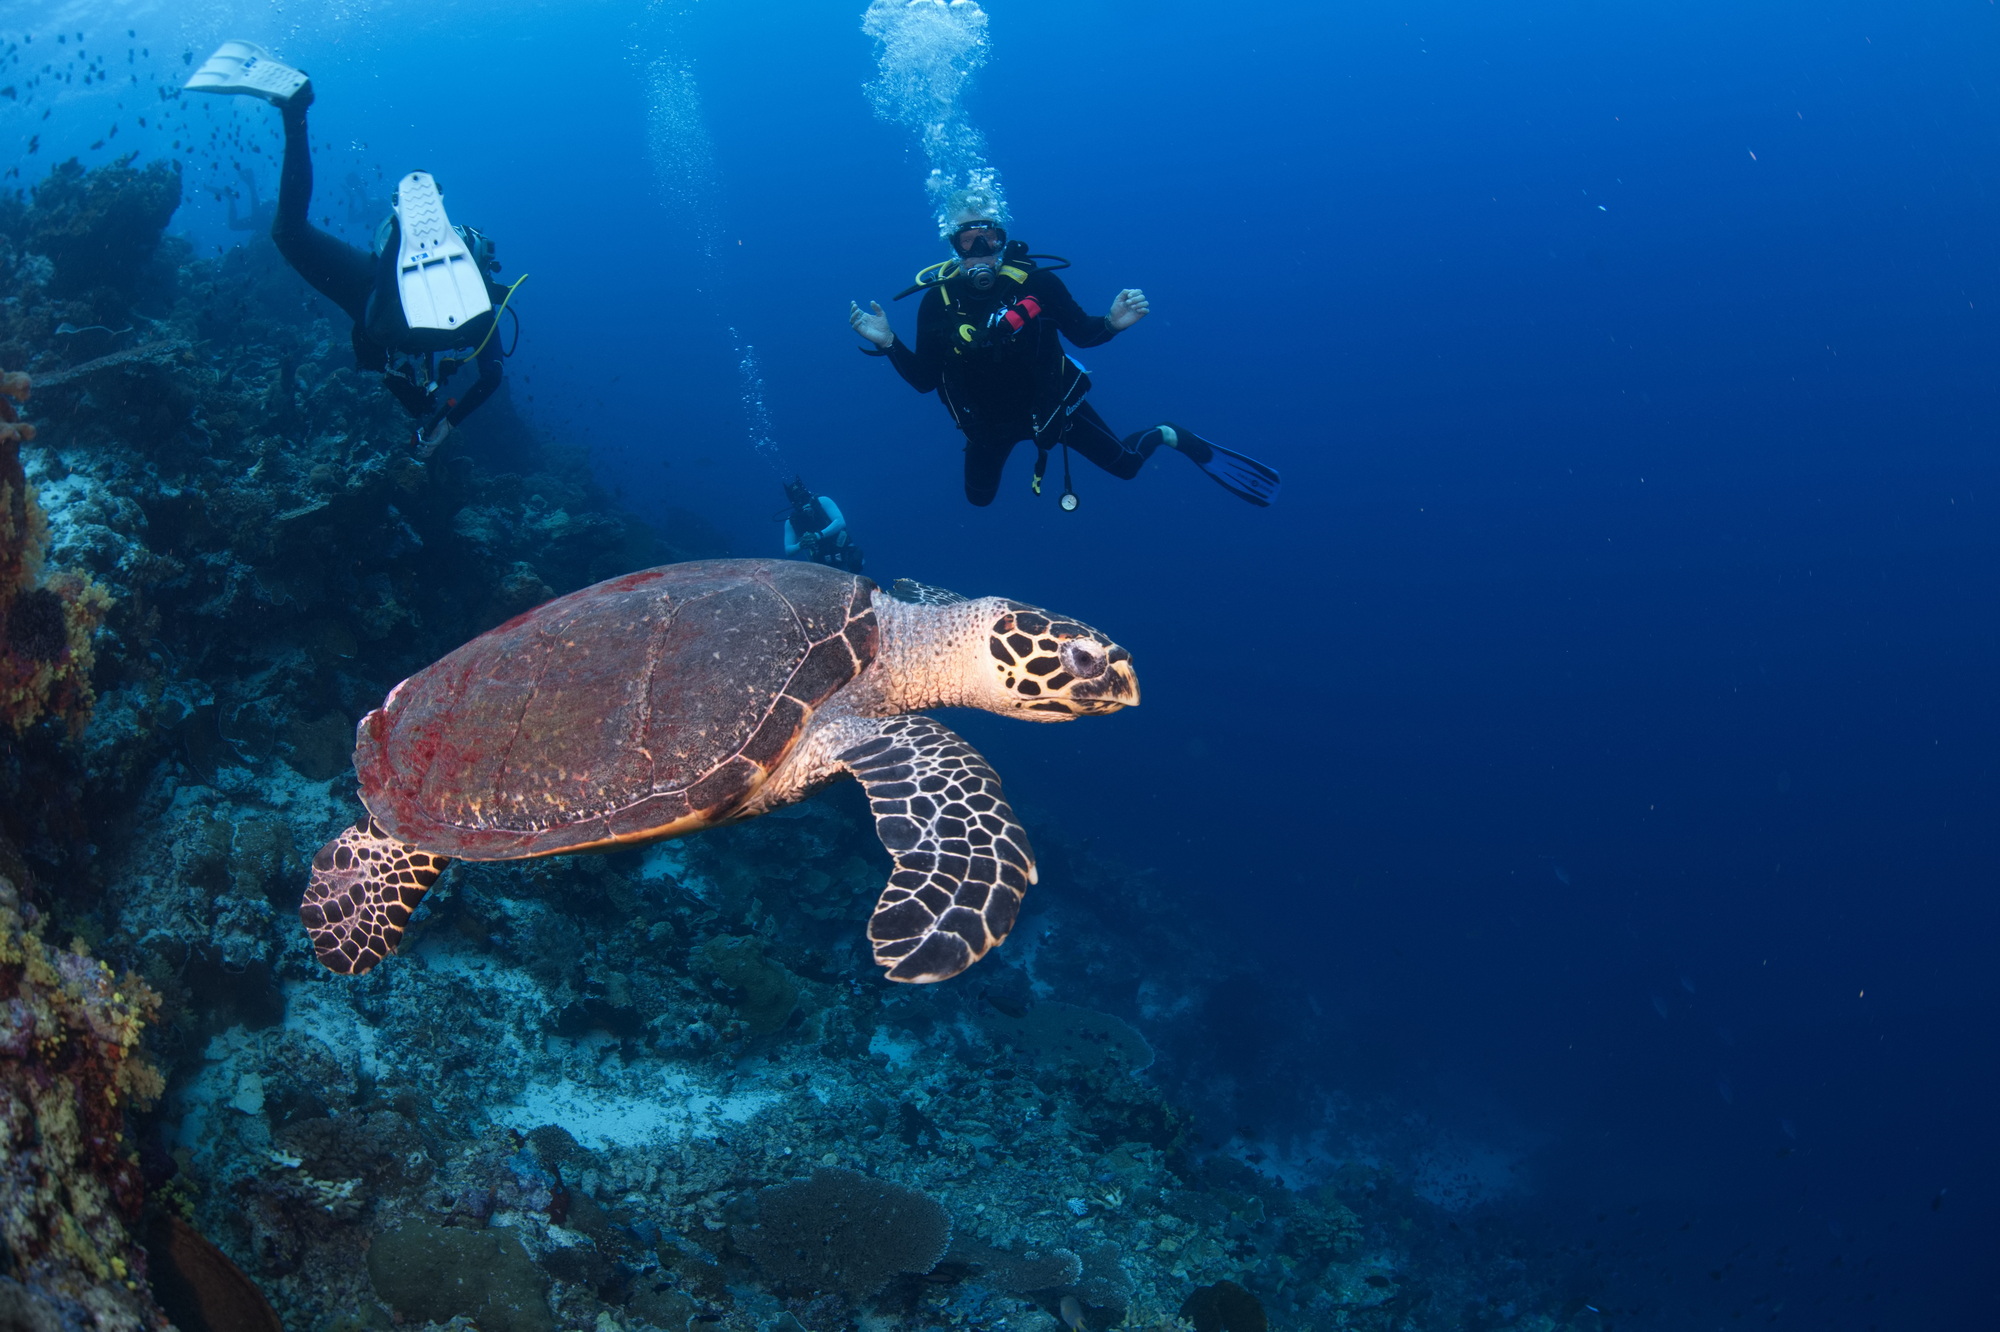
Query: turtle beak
point(1117, 688)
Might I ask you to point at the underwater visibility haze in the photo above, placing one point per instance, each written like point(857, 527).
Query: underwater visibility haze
point(1546, 883)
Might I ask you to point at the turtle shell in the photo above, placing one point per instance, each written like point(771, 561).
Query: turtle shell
point(648, 705)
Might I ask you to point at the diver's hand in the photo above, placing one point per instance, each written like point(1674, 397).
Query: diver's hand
point(429, 437)
point(874, 327)
point(1127, 309)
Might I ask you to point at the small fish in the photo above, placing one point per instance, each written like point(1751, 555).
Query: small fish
point(1562, 875)
point(1072, 1314)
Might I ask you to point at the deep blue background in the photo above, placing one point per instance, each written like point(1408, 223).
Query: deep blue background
point(1603, 723)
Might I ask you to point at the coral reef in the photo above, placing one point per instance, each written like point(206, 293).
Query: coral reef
point(1018, 1273)
point(437, 1273)
point(70, 1186)
point(99, 228)
point(841, 1232)
point(619, 1092)
point(1224, 1307)
point(46, 623)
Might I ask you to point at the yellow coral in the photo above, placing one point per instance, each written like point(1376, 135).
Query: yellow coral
point(69, 1064)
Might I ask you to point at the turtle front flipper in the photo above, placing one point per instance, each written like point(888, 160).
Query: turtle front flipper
point(364, 886)
point(963, 861)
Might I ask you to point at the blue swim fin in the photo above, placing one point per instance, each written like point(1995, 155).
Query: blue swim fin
point(1241, 476)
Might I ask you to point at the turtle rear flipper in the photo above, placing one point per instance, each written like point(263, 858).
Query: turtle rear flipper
point(963, 861)
point(364, 886)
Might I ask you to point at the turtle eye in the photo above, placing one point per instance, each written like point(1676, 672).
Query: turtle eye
point(1083, 659)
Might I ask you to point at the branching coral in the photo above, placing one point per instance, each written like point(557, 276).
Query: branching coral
point(70, 1186)
point(46, 623)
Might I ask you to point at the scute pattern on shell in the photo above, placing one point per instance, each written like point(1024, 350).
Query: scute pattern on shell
point(647, 705)
point(963, 862)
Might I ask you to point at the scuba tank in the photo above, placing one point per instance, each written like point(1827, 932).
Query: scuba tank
point(481, 245)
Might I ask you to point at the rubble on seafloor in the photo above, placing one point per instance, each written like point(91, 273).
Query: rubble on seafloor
point(617, 1092)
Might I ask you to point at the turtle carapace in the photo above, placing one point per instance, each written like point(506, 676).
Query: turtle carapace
point(683, 697)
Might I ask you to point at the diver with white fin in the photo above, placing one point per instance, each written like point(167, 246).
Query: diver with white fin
point(426, 289)
point(988, 345)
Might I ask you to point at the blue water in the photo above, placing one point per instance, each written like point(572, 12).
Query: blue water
point(1591, 753)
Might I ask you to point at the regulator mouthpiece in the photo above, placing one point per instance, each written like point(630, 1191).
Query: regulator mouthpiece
point(981, 276)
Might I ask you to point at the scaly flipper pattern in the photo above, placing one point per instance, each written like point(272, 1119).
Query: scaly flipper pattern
point(963, 861)
point(364, 886)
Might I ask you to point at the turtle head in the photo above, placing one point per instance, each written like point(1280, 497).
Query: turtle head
point(1042, 667)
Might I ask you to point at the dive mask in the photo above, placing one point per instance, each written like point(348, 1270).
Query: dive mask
point(979, 240)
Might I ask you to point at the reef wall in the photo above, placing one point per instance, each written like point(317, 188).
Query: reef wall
point(71, 1191)
point(47, 623)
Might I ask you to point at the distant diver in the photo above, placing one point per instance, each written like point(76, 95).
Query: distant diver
point(987, 344)
point(263, 214)
point(816, 530)
point(425, 289)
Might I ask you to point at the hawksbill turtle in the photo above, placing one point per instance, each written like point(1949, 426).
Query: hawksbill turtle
point(683, 697)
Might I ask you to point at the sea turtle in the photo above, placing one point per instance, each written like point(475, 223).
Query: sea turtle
point(691, 695)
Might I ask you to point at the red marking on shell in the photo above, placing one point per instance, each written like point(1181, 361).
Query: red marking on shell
point(614, 713)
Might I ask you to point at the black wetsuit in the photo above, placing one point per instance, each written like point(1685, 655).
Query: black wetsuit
point(1002, 386)
point(349, 277)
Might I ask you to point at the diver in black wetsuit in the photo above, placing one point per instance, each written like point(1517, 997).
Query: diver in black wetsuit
point(987, 344)
point(364, 285)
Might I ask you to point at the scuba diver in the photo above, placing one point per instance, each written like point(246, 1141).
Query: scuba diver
point(987, 343)
point(426, 288)
point(816, 530)
point(263, 213)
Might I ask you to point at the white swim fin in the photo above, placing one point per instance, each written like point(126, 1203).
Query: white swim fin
point(440, 284)
point(245, 67)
